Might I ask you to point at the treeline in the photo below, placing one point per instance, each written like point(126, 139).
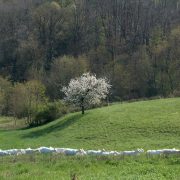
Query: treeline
point(28, 101)
point(134, 43)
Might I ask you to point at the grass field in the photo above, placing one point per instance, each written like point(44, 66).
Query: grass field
point(148, 124)
point(88, 168)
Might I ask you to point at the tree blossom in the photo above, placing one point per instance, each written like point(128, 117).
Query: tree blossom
point(86, 90)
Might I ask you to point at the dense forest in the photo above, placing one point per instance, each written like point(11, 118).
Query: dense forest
point(134, 43)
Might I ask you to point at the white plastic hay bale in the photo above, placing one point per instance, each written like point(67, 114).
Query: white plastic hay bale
point(30, 151)
point(13, 151)
point(21, 152)
point(3, 153)
point(45, 150)
point(163, 151)
point(105, 153)
point(81, 152)
point(70, 152)
point(60, 150)
point(73, 152)
point(94, 152)
point(154, 152)
point(119, 153)
point(171, 151)
point(133, 153)
point(114, 153)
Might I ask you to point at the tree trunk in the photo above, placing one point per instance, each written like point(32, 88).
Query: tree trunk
point(14, 121)
point(82, 105)
point(82, 108)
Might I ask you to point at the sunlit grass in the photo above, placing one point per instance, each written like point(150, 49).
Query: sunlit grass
point(148, 124)
point(61, 167)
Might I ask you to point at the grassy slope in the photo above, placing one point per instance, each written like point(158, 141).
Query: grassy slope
point(146, 124)
point(149, 124)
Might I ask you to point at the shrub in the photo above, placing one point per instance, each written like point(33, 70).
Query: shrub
point(26, 99)
point(49, 113)
point(176, 93)
point(5, 92)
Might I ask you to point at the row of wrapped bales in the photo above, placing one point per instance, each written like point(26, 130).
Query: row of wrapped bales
point(73, 152)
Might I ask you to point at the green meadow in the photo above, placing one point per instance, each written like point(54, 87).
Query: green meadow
point(153, 124)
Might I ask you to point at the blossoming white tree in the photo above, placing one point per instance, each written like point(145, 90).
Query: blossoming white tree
point(86, 90)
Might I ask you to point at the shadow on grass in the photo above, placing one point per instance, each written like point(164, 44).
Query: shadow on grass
point(60, 125)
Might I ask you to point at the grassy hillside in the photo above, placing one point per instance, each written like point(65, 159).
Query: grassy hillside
point(147, 124)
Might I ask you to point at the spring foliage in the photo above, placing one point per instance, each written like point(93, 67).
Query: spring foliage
point(86, 90)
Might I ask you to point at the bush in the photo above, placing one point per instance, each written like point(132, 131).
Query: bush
point(26, 99)
point(5, 92)
point(176, 93)
point(49, 113)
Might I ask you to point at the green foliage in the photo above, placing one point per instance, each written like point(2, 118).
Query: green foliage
point(18, 101)
point(48, 113)
point(27, 98)
point(5, 92)
point(63, 70)
point(56, 40)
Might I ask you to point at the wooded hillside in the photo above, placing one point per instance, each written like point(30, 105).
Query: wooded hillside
point(134, 43)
